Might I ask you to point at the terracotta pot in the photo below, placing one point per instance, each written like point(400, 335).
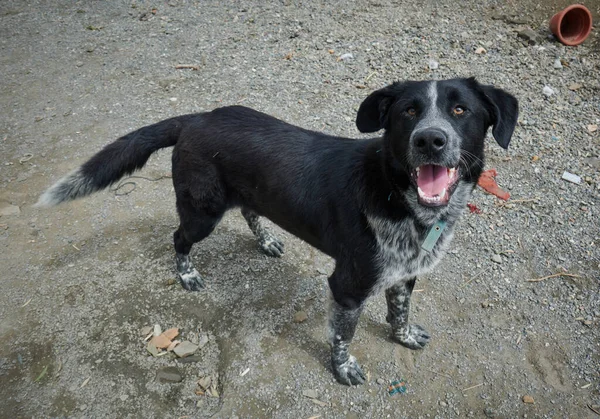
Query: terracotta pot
point(572, 25)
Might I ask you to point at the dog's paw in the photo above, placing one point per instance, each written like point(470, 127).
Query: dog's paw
point(272, 246)
point(349, 373)
point(191, 280)
point(413, 336)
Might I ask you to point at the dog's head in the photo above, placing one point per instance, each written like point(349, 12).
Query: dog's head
point(434, 135)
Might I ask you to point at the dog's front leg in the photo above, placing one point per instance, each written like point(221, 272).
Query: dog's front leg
point(343, 318)
point(398, 302)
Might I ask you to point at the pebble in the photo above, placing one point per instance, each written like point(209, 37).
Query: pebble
point(123, 397)
point(185, 348)
point(202, 341)
point(169, 375)
point(433, 65)
point(345, 57)
point(380, 381)
point(528, 399)
point(557, 64)
point(300, 317)
point(311, 394)
point(548, 91)
point(189, 359)
point(489, 412)
point(575, 86)
point(157, 330)
point(529, 35)
point(570, 177)
point(497, 258)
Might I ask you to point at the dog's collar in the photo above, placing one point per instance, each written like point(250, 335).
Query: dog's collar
point(433, 235)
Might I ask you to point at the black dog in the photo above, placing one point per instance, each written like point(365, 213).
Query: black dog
point(383, 208)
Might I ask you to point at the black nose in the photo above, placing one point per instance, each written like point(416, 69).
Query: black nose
point(430, 141)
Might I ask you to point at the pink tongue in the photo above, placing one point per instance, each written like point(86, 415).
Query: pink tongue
point(432, 179)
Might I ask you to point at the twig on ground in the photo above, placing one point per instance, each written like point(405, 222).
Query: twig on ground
point(553, 276)
point(593, 410)
point(187, 67)
point(473, 277)
point(472, 387)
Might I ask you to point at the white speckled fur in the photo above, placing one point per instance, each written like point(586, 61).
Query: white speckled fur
point(399, 252)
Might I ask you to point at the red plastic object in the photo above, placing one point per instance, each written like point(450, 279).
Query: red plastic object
point(488, 183)
point(572, 25)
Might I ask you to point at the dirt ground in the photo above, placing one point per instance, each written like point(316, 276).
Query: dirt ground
point(80, 281)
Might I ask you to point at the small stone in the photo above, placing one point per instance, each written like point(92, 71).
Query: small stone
point(570, 177)
point(157, 330)
point(547, 91)
point(592, 128)
point(300, 317)
point(185, 348)
point(575, 86)
point(558, 64)
point(145, 331)
point(189, 359)
point(443, 403)
point(169, 375)
point(123, 397)
point(497, 259)
point(529, 35)
point(380, 381)
point(311, 394)
point(152, 349)
point(10, 210)
point(433, 65)
point(480, 50)
point(79, 64)
point(515, 20)
point(202, 341)
point(489, 412)
point(528, 399)
point(346, 57)
point(485, 304)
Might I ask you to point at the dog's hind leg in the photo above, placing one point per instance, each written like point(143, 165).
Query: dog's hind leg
point(195, 225)
point(270, 244)
point(398, 302)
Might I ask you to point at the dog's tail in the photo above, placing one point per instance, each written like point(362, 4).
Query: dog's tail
point(120, 158)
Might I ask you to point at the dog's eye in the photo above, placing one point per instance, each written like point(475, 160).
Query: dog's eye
point(411, 111)
point(458, 110)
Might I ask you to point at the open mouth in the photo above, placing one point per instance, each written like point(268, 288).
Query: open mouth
point(435, 184)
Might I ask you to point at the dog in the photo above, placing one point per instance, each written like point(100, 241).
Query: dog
point(384, 208)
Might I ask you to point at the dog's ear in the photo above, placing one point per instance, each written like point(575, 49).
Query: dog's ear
point(373, 112)
point(504, 111)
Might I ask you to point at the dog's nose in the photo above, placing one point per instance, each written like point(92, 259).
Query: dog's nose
point(430, 141)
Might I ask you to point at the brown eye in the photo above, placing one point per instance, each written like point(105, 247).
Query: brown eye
point(458, 110)
point(411, 111)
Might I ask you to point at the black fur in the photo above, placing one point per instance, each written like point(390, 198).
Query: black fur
point(348, 198)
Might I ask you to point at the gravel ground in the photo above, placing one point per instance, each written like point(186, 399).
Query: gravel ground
point(80, 281)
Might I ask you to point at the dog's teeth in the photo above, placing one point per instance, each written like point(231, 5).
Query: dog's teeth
point(421, 193)
point(442, 194)
point(418, 170)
